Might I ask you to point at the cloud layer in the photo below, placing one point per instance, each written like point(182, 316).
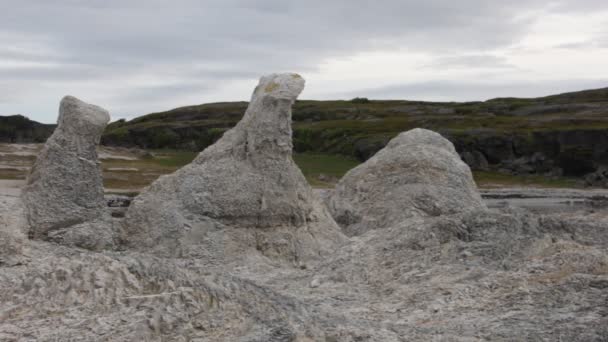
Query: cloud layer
point(136, 56)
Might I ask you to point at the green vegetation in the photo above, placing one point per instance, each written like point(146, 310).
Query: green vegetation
point(323, 170)
point(486, 179)
point(359, 127)
point(329, 137)
point(18, 128)
point(12, 174)
point(320, 170)
point(173, 158)
point(360, 100)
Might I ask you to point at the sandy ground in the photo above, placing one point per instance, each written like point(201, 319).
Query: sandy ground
point(11, 187)
point(125, 170)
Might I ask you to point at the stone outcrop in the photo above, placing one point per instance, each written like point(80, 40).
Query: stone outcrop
point(571, 152)
point(202, 258)
point(598, 178)
point(417, 174)
point(475, 160)
point(243, 192)
point(65, 185)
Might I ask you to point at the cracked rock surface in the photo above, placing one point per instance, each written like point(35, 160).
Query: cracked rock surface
point(244, 192)
point(235, 247)
point(65, 185)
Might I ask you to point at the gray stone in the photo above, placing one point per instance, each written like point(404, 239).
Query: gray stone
point(65, 186)
point(417, 174)
point(96, 235)
point(469, 274)
point(475, 160)
point(598, 178)
point(244, 191)
point(13, 225)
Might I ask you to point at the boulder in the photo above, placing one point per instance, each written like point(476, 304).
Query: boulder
point(244, 191)
point(65, 185)
point(475, 160)
point(598, 179)
point(418, 174)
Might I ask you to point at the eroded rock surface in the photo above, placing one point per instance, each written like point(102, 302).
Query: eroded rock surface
point(417, 174)
point(65, 186)
point(244, 192)
point(486, 276)
point(13, 228)
point(203, 245)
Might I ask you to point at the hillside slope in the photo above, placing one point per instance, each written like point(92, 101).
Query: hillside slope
point(19, 129)
point(565, 134)
point(559, 134)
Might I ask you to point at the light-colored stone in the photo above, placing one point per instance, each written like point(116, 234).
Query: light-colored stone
point(470, 276)
point(417, 174)
point(65, 185)
point(243, 192)
point(13, 226)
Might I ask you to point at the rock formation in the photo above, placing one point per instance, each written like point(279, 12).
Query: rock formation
point(204, 253)
point(418, 173)
point(475, 160)
point(65, 185)
point(243, 192)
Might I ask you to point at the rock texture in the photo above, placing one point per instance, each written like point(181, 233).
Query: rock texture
point(243, 192)
point(204, 251)
point(417, 174)
point(65, 186)
point(598, 178)
point(485, 275)
point(13, 227)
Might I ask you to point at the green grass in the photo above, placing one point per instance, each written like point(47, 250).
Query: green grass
point(352, 127)
point(173, 158)
point(320, 169)
point(12, 174)
point(323, 170)
point(492, 179)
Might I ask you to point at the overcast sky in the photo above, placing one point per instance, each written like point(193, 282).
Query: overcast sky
point(134, 57)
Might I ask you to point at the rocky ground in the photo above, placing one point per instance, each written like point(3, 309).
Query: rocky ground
point(203, 256)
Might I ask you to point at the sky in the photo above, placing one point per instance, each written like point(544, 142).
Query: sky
point(134, 57)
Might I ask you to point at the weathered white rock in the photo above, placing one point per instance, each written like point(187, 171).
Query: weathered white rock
point(13, 241)
point(243, 192)
point(417, 174)
point(65, 185)
point(482, 274)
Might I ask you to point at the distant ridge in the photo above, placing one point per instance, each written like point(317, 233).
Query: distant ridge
point(19, 129)
point(550, 135)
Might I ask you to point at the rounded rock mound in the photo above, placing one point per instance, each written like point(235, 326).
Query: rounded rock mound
point(418, 174)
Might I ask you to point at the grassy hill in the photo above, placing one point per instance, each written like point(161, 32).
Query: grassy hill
point(557, 135)
point(18, 128)
point(359, 127)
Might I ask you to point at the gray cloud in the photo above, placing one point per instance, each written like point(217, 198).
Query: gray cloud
point(449, 90)
point(162, 92)
point(204, 42)
point(470, 61)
